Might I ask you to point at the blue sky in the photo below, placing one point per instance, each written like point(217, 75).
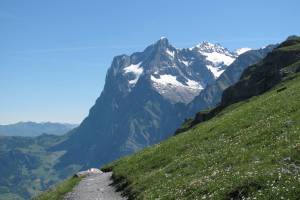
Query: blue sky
point(54, 53)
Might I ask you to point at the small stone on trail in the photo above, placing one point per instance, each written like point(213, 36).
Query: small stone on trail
point(88, 172)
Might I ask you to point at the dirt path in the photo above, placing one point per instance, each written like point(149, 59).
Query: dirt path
point(95, 187)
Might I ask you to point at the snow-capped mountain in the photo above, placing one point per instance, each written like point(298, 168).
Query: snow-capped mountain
point(212, 94)
point(144, 100)
point(216, 56)
point(177, 74)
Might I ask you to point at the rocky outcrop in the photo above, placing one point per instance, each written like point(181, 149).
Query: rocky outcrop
point(88, 172)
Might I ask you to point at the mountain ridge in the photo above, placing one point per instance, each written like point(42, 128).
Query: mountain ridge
point(212, 94)
point(32, 129)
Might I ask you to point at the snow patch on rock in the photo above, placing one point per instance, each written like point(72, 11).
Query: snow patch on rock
point(170, 53)
point(136, 69)
point(168, 86)
point(215, 53)
point(166, 79)
point(242, 50)
point(218, 58)
point(186, 63)
point(194, 85)
point(217, 71)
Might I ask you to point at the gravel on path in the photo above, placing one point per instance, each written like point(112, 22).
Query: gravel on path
point(95, 187)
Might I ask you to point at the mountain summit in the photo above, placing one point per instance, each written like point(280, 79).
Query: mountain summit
point(177, 74)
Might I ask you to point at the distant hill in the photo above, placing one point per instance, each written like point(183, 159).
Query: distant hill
point(32, 129)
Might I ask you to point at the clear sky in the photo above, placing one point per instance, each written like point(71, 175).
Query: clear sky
point(54, 53)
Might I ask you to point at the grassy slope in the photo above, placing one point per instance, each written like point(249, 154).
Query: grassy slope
point(59, 191)
point(251, 148)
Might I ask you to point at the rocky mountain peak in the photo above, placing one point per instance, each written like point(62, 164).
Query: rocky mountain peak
point(163, 49)
point(176, 74)
point(208, 47)
point(217, 57)
point(163, 41)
